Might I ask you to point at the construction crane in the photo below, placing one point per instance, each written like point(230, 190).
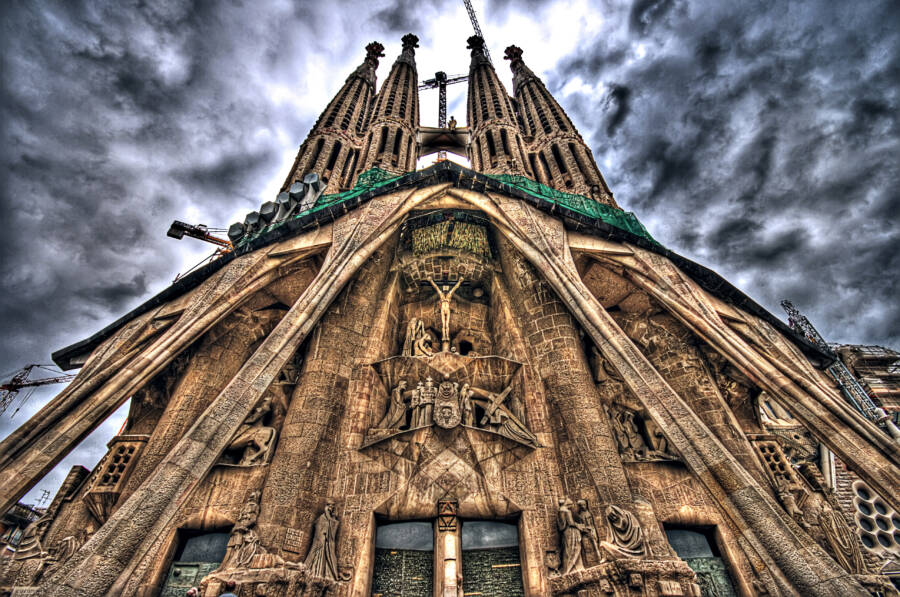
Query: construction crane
point(179, 230)
point(852, 390)
point(441, 80)
point(19, 381)
point(477, 29)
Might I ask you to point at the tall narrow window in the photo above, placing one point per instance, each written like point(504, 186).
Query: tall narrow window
point(504, 141)
point(335, 152)
point(546, 166)
point(311, 166)
point(575, 156)
point(383, 142)
point(554, 149)
point(410, 158)
point(492, 150)
point(534, 168)
point(398, 139)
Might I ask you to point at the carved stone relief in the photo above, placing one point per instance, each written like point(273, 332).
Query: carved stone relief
point(625, 534)
point(254, 440)
point(639, 438)
point(571, 532)
point(812, 504)
point(452, 401)
point(321, 560)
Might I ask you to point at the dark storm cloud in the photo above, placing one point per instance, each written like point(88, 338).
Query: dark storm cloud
point(760, 139)
point(618, 106)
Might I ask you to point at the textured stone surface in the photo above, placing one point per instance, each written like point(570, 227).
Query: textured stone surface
point(534, 309)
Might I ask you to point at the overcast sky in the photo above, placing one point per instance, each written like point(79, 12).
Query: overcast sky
point(757, 138)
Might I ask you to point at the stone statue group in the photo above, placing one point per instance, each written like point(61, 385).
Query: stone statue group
point(576, 526)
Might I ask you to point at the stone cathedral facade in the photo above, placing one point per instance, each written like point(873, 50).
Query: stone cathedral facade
point(451, 381)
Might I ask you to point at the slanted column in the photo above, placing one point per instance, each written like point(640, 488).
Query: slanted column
point(301, 471)
point(557, 354)
point(217, 360)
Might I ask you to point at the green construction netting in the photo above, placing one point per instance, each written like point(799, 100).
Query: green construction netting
point(376, 177)
point(624, 220)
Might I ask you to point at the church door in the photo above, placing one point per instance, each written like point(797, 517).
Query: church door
point(490, 559)
point(404, 560)
point(698, 549)
point(197, 555)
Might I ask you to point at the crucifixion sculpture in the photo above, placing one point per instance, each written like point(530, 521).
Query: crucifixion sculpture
point(445, 295)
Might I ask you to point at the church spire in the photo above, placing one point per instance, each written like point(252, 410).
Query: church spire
point(391, 141)
point(557, 154)
point(332, 148)
point(496, 145)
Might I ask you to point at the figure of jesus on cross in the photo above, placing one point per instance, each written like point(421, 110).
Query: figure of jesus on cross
point(444, 296)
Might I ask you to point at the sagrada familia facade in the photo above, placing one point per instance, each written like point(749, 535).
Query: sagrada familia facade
point(451, 381)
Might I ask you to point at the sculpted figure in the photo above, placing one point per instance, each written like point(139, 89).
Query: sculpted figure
point(253, 437)
point(587, 521)
point(67, 546)
point(445, 296)
point(418, 340)
point(396, 413)
point(244, 542)
point(660, 443)
point(321, 561)
point(570, 536)
point(829, 528)
point(628, 435)
point(468, 409)
point(514, 429)
point(415, 404)
point(626, 534)
point(426, 402)
point(785, 491)
point(30, 544)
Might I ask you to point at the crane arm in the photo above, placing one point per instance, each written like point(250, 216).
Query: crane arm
point(477, 29)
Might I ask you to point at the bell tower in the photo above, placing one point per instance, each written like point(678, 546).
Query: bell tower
point(495, 143)
point(557, 154)
point(332, 147)
point(391, 142)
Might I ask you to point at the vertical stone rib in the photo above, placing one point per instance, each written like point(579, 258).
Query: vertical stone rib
point(216, 361)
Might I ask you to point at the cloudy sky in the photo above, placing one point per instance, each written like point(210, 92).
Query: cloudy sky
point(757, 138)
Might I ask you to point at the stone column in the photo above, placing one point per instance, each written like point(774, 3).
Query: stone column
point(123, 367)
point(767, 529)
point(557, 353)
point(447, 551)
point(667, 345)
point(308, 455)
